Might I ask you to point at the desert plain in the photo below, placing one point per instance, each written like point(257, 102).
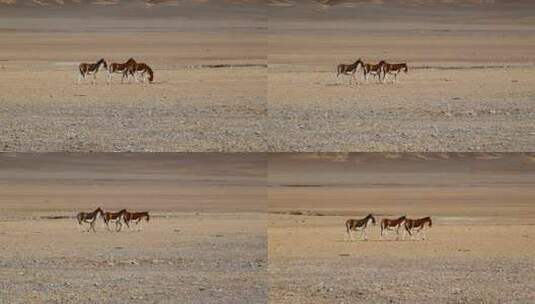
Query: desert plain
point(469, 85)
point(208, 93)
point(205, 241)
point(480, 248)
point(260, 76)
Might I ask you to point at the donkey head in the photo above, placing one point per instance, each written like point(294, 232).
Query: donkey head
point(370, 216)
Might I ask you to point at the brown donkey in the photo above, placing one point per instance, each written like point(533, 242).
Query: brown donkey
point(119, 68)
point(373, 69)
point(135, 217)
point(417, 225)
point(134, 68)
point(89, 217)
point(349, 69)
point(394, 69)
point(390, 224)
point(115, 217)
point(359, 225)
point(87, 69)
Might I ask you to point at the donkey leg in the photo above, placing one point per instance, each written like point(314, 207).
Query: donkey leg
point(420, 232)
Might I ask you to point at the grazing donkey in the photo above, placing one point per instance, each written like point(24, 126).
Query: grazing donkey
point(135, 68)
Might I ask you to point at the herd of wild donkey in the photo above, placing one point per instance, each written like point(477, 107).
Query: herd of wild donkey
point(135, 69)
point(383, 68)
point(112, 217)
point(129, 68)
point(412, 226)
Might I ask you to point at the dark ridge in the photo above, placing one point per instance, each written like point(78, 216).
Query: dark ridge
point(57, 217)
point(238, 65)
point(300, 186)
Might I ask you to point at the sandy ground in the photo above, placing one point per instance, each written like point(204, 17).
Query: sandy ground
point(209, 239)
point(459, 262)
point(188, 107)
point(469, 85)
point(184, 110)
point(205, 241)
point(427, 110)
point(479, 249)
point(197, 258)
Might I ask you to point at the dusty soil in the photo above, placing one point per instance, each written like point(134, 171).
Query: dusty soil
point(184, 110)
point(469, 86)
point(464, 109)
point(190, 106)
point(198, 258)
point(205, 241)
point(459, 262)
point(480, 248)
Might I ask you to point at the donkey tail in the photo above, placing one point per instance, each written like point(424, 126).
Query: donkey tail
point(382, 227)
point(151, 79)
